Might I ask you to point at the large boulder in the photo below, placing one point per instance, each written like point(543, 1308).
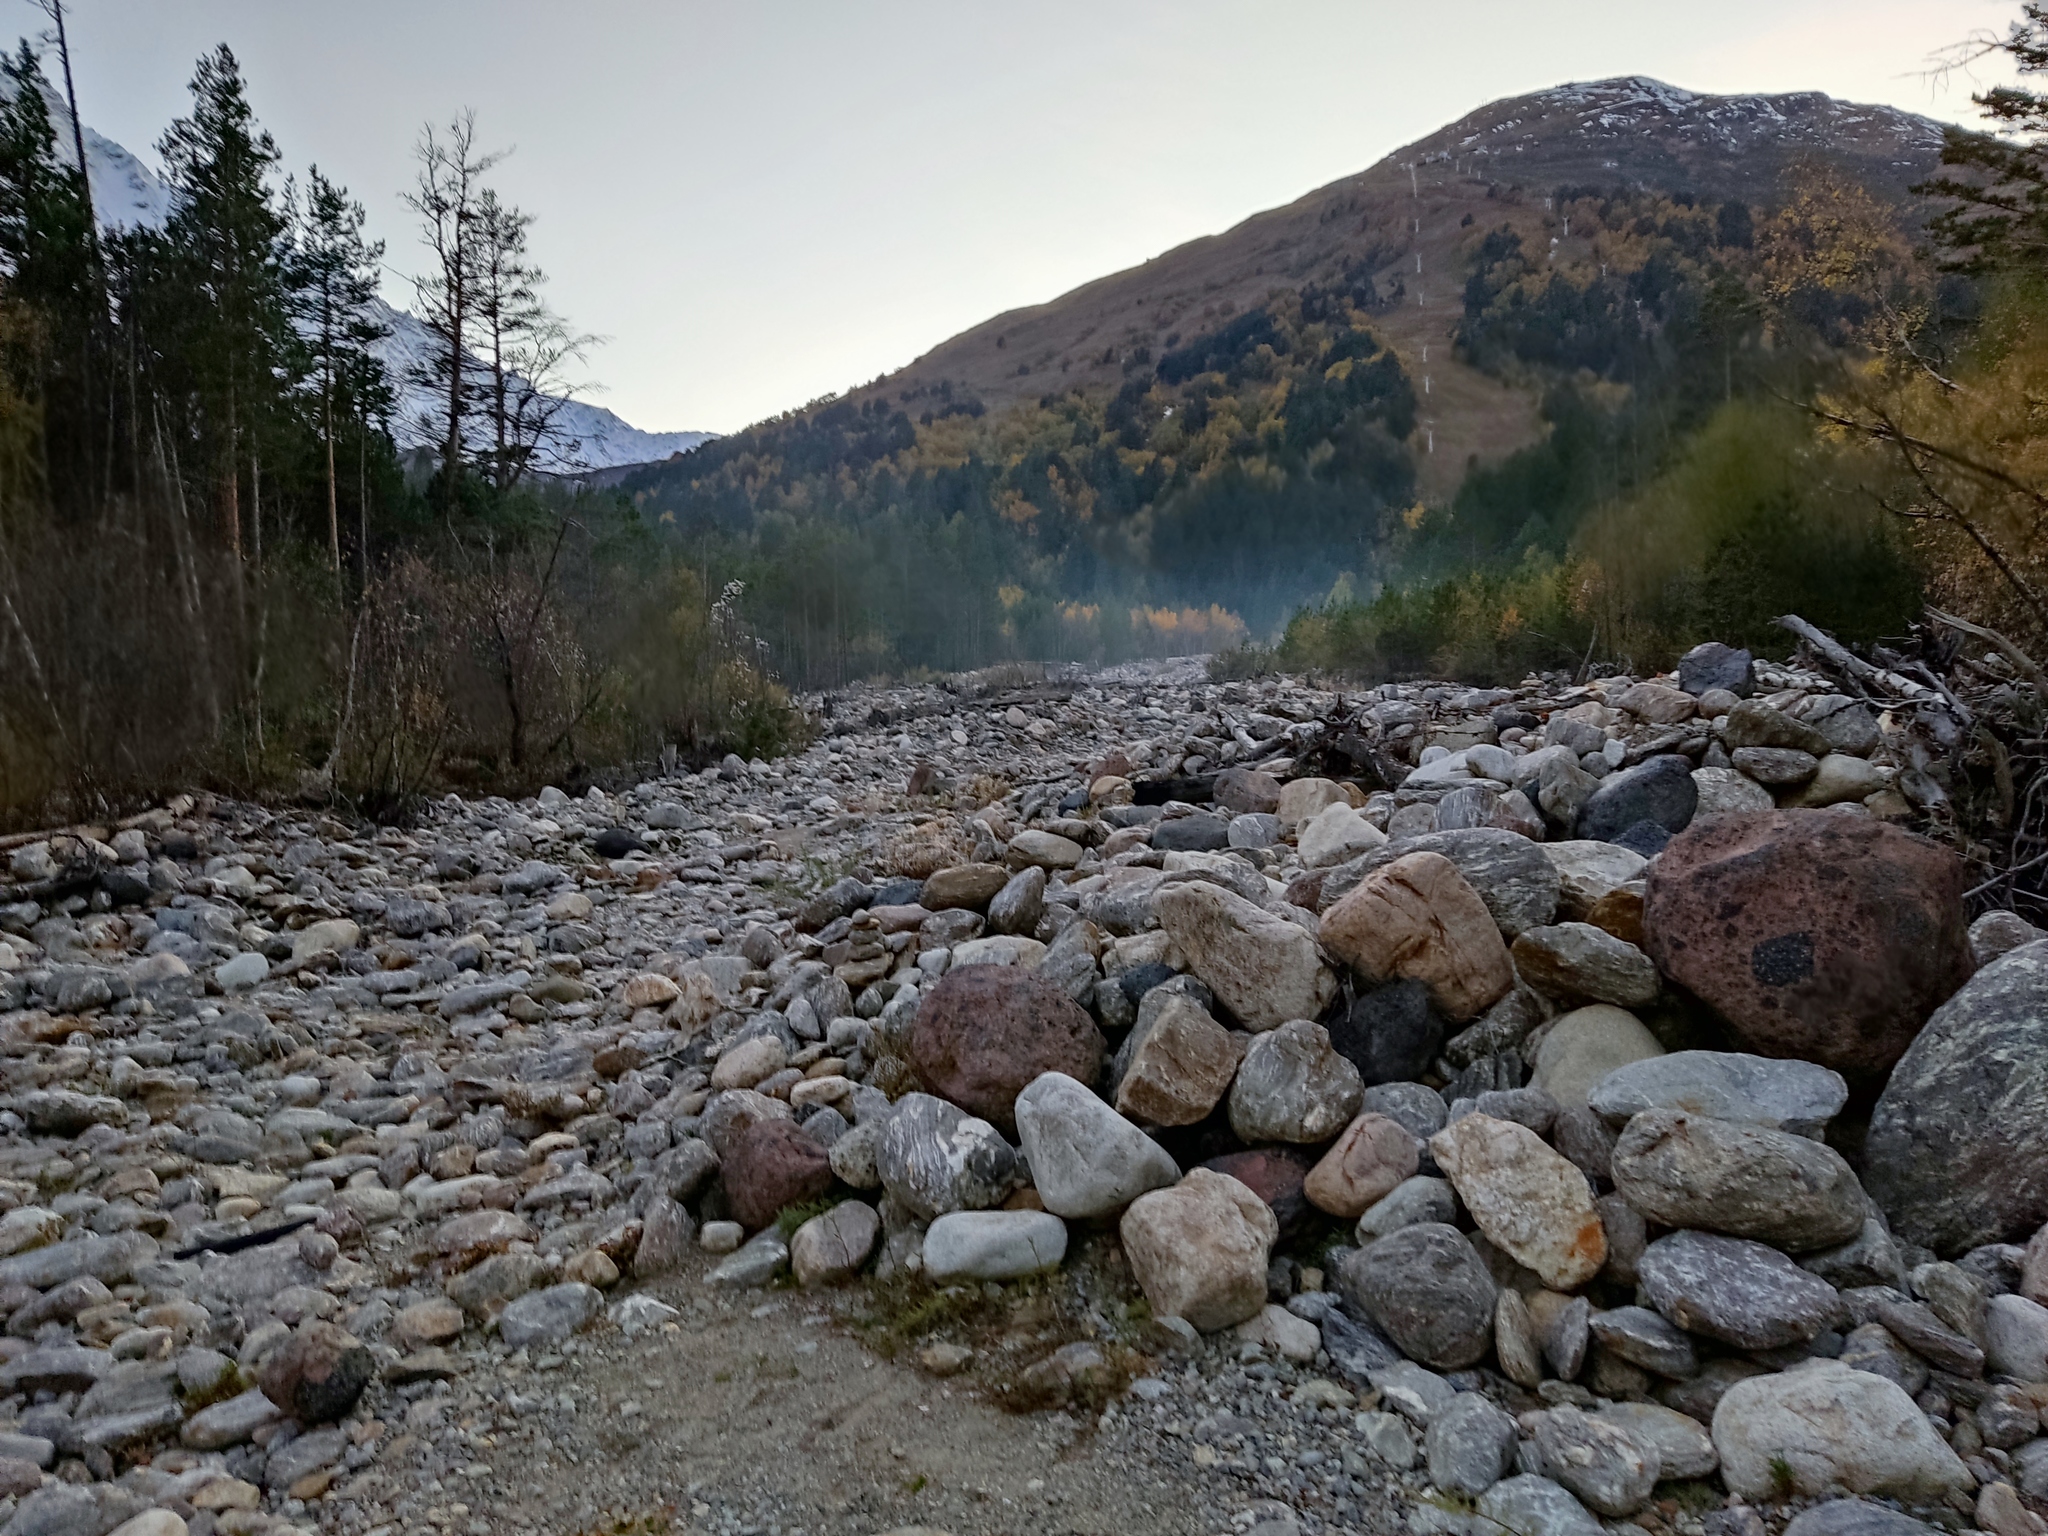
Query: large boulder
point(1086, 1159)
point(1419, 919)
point(318, 1373)
point(1294, 1087)
point(1686, 1170)
point(1427, 1289)
point(984, 1031)
point(1737, 1291)
point(1176, 1064)
point(1958, 1147)
point(1199, 1250)
point(993, 1245)
point(1816, 935)
point(1262, 967)
point(773, 1165)
point(1518, 884)
point(1796, 1096)
point(1825, 1429)
point(1531, 1203)
point(935, 1157)
point(1658, 790)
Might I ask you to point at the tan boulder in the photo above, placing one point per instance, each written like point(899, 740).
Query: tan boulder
point(1263, 967)
point(1301, 799)
point(1418, 919)
point(1199, 1250)
point(1533, 1204)
point(1362, 1167)
point(1177, 1066)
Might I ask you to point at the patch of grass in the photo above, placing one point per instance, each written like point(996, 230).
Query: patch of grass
point(1693, 1496)
point(916, 1484)
point(790, 1217)
point(1242, 663)
point(655, 1522)
point(1783, 1484)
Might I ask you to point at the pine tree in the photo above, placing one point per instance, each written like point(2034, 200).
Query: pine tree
point(226, 242)
point(46, 247)
point(332, 274)
point(524, 346)
point(1997, 187)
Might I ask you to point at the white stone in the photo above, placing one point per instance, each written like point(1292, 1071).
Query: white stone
point(1822, 1429)
point(1334, 834)
point(993, 1245)
point(1086, 1159)
point(1276, 1328)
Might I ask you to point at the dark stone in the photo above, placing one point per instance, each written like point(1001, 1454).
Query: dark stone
point(773, 1164)
point(1739, 1292)
point(985, 1031)
point(1957, 1153)
point(1714, 665)
point(897, 891)
point(842, 898)
point(126, 886)
point(1202, 832)
point(1275, 1175)
point(1645, 838)
point(1356, 1349)
point(1140, 979)
point(1196, 789)
point(1818, 936)
point(1659, 790)
point(1391, 1034)
point(318, 1373)
point(616, 843)
point(1427, 1288)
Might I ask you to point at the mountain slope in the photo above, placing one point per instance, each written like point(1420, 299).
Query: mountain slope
point(1407, 221)
point(126, 193)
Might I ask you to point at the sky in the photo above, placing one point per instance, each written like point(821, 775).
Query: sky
point(761, 203)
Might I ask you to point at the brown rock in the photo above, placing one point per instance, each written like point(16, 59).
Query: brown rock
point(1239, 790)
point(1364, 1164)
point(1417, 918)
point(1819, 936)
point(969, 886)
point(428, 1322)
point(1620, 912)
point(773, 1165)
point(1531, 1204)
point(1276, 1175)
point(985, 1031)
point(1199, 1250)
point(317, 1374)
point(1177, 1065)
point(1264, 968)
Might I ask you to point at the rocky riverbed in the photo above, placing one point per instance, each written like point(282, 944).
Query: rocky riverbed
point(1108, 1103)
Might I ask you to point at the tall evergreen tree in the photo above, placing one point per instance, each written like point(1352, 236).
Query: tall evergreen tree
point(226, 240)
point(332, 275)
point(1997, 187)
point(46, 247)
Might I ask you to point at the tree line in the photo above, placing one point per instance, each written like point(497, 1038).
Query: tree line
point(215, 562)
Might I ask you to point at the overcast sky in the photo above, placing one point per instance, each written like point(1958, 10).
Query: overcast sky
point(762, 202)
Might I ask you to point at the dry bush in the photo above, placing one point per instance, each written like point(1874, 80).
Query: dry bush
point(921, 851)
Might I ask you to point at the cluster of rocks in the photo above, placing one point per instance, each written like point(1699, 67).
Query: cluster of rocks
point(1582, 1089)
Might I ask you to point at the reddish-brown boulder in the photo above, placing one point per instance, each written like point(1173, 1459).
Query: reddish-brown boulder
point(1820, 936)
point(773, 1165)
point(317, 1374)
point(1276, 1175)
point(985, 1031)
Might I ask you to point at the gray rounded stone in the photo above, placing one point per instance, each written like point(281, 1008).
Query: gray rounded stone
point(1737, 1291)
point(1535, 1506)
point(935, 1158)
point(1686, 1170)
point(1518, 884)
point(549, 1316)
point(1796, 1096)
point(1609, 1470)
point(1958, 1147)
point(1469, 1445)
point(1428, 1290)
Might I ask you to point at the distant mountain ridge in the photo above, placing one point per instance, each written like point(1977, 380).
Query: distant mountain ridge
point(1408, 218)
point(126, 193)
